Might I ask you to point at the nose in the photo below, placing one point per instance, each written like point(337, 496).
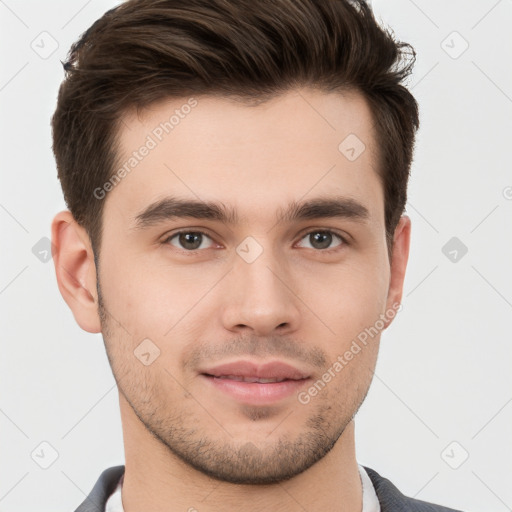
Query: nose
point(260, 297)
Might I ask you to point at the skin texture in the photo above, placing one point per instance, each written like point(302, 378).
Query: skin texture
point(187, 443)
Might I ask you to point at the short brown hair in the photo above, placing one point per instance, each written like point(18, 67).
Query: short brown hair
point(144, 51)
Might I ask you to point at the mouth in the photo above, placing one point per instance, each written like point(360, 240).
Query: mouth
point(250, 383)
point(248, 379)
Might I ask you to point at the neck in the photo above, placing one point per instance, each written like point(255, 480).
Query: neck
point(155, 479)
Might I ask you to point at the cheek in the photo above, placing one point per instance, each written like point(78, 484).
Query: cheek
point(154, 301)
point(349, 299)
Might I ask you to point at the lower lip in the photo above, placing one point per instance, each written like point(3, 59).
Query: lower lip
point(256, 393)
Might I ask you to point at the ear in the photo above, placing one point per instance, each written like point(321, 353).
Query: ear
point(399, 257)
point(75, 270)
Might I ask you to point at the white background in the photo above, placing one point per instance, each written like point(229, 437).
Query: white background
point(443, 373)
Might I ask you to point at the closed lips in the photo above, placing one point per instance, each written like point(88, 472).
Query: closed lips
point(255, 382)
point(249, 379)
point(250, 371)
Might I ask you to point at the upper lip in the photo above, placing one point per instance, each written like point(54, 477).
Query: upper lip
point(269, 370)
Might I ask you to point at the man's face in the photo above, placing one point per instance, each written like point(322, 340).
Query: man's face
point(257, 290)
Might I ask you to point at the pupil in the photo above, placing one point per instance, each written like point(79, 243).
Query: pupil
point(190, 240)
point(323, 238)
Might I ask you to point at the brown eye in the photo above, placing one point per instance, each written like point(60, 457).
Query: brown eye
point(188, 240)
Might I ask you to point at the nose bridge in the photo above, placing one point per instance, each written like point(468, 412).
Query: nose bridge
point(261, 291)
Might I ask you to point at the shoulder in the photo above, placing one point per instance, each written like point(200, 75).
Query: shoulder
point(391, 499)
point(101, 491)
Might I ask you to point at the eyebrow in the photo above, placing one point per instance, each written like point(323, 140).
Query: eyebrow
point(170, 208)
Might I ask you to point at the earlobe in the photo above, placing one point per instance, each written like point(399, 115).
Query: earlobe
point(75, 270)
point(399, 257)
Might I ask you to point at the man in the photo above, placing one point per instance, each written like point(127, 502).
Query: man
point(236, 174)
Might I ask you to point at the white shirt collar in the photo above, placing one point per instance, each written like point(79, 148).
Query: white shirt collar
point(370, 500)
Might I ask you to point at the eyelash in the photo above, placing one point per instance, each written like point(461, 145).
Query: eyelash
point(342, 238)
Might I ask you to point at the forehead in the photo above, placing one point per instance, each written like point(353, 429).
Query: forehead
point(297, 145)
